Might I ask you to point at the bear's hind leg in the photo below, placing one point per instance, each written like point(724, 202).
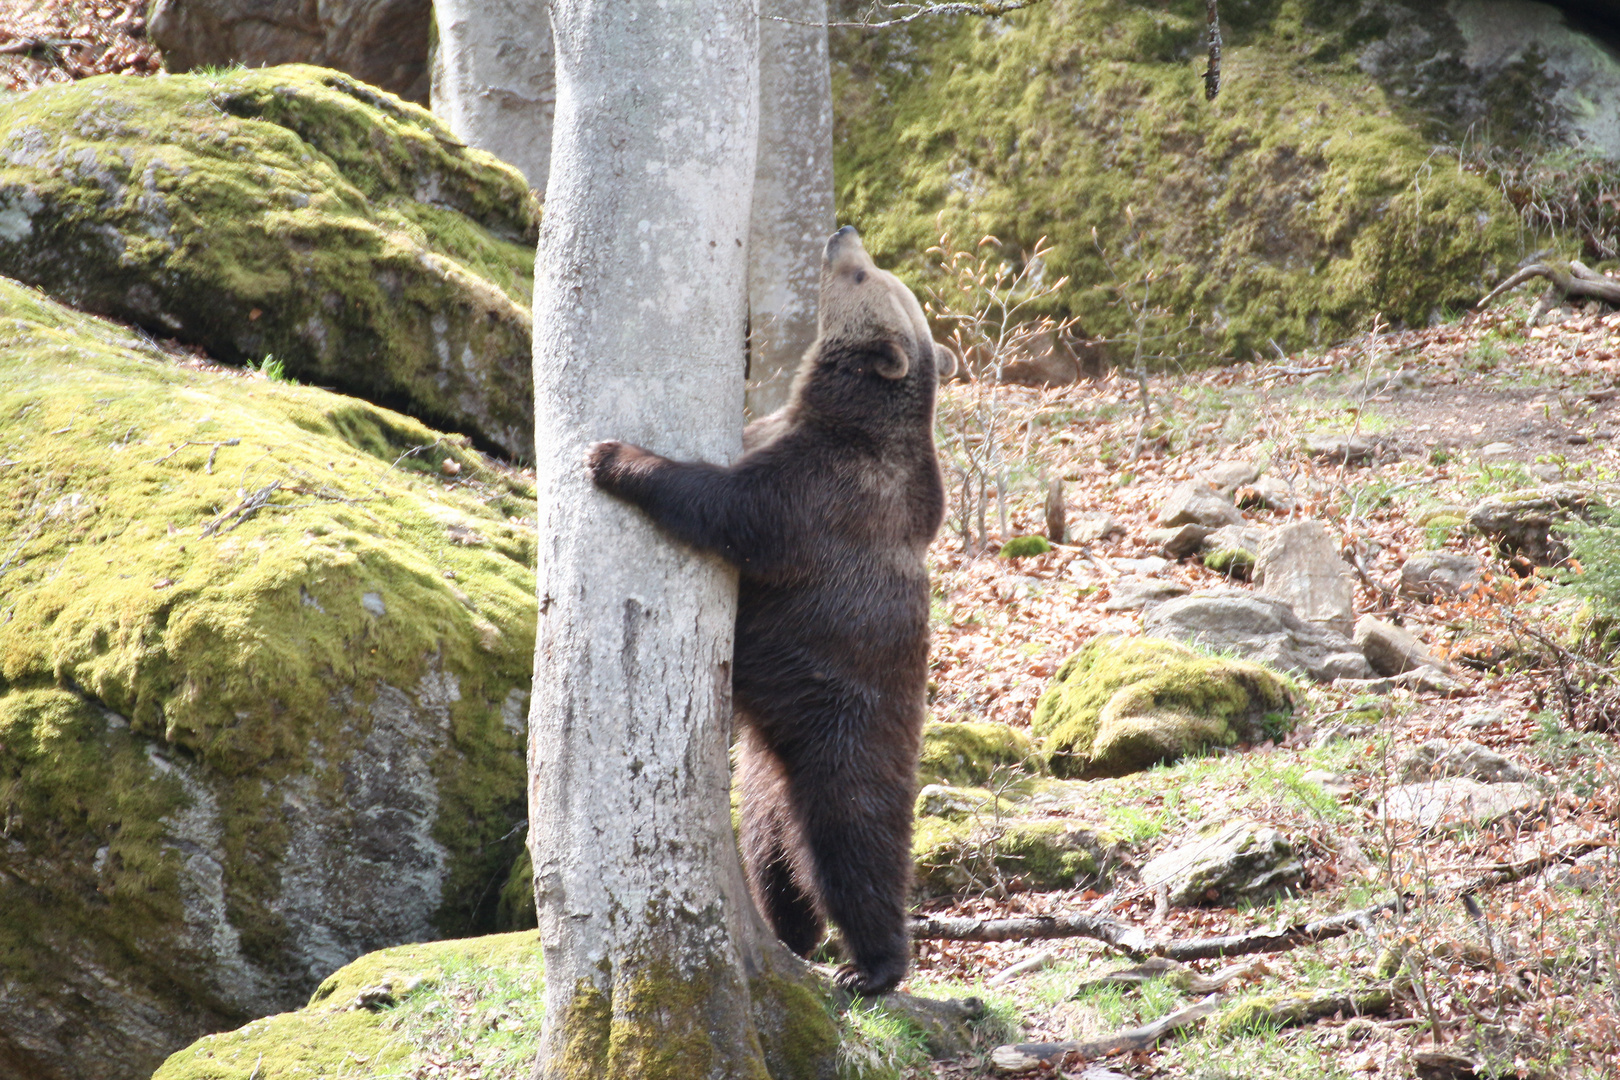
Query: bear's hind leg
point(855, 819)
point(768, 849)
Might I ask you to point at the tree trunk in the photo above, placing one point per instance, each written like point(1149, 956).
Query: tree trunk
point(793, 196)
point(657, 964)
point(493, 81)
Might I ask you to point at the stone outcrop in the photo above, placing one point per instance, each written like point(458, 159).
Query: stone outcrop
point(381, 42)
point(263, 678)
point(1258, 628)
point(1521, 522)
point(291, 214)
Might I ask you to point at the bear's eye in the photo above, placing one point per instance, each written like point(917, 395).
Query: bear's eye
point(860, 276)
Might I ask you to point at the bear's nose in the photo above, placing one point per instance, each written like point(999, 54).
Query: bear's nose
point(837, 239)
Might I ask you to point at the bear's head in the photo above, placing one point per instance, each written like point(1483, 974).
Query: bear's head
point(869, 311)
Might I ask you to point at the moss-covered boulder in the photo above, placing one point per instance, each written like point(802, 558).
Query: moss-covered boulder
point(263, 672)
point(972, 752)
point(1123, 704)
point(289, 212)
point(1305, 199)
point(471, 1006)
point(999, 847)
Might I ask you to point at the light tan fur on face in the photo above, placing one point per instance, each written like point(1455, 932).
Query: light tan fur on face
point(863, 303)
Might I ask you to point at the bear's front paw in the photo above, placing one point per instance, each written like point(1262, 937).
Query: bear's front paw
point(601, 458)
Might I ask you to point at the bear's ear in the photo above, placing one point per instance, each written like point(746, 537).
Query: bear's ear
point(945, 362)
point(892, 363)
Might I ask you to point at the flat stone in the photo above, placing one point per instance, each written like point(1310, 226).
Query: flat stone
point(1458, 802)
point(1479, 719)
point(1340, 448)
point(1090, 527)
point(1433, 574)
point(1391, 650)
point(1198, 503)
point(1226, 863)
point(1140, 593)
point(1438, 759)
point(1300, 565)
point(1496, 451)
point(1431, 679)
point(1227, 476)
point(1258, 628)
point(1180, 541)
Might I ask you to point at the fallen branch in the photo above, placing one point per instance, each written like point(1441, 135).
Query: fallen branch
point(1133, 942)
point(1266, 1014)
point(1127, 939)
point(1574, 279)
point(1507, 873)
point(1026, 1057)
point(250, 505)
point(1212, 74)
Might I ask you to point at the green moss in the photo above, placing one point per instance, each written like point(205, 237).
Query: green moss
point(474, 1003)
point(1122, 704)
point(253, 651)
point(1233, 562)
point(1021, 547)
point(1293, 208)
point(286, 211)
point(970, 753)
point(797, 1029)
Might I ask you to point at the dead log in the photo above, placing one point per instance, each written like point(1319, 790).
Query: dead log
point(1026, 1057)
point(1567, 280)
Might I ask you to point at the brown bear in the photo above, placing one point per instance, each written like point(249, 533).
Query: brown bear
point(827, 515)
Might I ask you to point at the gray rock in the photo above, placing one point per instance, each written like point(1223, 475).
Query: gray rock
point(1341, 448)
point(1340, 731)
point(1300, 565)
point(1258, 628)
point(1496, 451)
point(1180, 541)
point(1197, 503)
point(1521, 521)
point(1090, 527)
point(1428, 678)
point(1458, 802)
point(1334, 783)
point(1391, 650)
point(1438, 759)
point(1226, 863)
point(1227, 476)
point(1140, 593)
point(944, 801)
point(1432, 574)
point(381, 42)
point(1479, 719)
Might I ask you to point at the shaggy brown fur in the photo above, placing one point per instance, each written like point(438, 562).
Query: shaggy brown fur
point(827, 515)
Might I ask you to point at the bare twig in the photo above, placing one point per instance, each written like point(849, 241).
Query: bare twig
point(251, 504)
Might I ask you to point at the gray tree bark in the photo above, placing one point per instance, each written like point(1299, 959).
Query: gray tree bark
point(793, 196)
point(657, 964)
point(493, 81)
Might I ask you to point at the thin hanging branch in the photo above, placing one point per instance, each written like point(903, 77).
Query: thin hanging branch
point(1212, 74)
